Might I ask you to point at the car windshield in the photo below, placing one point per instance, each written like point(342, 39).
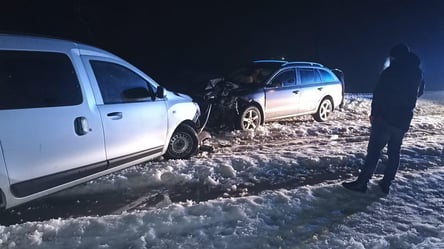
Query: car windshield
point(255, 73)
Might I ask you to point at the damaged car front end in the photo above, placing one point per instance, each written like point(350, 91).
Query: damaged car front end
point(238, 99)
point(268, 90)
point(229, 101)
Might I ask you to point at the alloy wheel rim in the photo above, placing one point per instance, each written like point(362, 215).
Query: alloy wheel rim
point(250, 120)
point(325, 110)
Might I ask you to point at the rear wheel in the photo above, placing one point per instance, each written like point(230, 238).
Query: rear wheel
point(324, 110)
point(250, 118)
point(183, 143)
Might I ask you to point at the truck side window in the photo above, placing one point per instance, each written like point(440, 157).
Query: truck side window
point(114, 79)
point(30, 79)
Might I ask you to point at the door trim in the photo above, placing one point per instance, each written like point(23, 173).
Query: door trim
point(36, 185)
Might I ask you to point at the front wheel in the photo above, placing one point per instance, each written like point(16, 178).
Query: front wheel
point(183, 144)
point(250, 118)
point(324, 110)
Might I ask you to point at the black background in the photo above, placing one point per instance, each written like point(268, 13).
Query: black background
point(178, 43)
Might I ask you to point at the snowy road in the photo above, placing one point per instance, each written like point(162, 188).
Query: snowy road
point(287, 174)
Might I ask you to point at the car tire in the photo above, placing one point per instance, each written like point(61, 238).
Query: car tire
point(250, 119)
point(183, 144)
point(324, 110)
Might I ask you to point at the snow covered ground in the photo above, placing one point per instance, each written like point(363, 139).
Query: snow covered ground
point(278, 187)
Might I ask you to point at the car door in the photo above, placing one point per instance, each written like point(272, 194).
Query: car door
point(133, 127)
point(281, 95)
point(311, 90)
point(49, 132)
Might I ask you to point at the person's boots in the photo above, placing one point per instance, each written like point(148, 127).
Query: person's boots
point(358, 185)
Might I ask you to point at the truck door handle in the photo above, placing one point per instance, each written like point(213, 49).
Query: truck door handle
point(115, 115)
point(296, 91)
point(81, 126)
point(320, 88)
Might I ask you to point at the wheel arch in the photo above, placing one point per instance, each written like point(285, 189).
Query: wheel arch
point(247, 104)
point(329, 97)
point(186, 124)
point(318, 116)
point(171, 131)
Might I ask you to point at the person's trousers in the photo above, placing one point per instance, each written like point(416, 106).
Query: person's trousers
point(382, 134)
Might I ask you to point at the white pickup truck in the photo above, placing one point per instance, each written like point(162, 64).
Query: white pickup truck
point(70, 113)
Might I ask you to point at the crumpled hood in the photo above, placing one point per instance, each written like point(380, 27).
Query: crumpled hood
point(221, 88)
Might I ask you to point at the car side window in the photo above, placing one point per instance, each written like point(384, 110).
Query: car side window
point(309, 76)
point(114, 79)
point(31, 79)
point(283, 79)
point(327, 76)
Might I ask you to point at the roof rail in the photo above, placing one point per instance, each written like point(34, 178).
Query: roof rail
point(303, 63)
point(35, 35)
point(272, 61)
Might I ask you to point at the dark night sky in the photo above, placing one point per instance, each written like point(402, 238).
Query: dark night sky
point(186, 41)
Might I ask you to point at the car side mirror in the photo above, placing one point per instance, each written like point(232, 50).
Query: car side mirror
point(160, 92)
point(136, 93)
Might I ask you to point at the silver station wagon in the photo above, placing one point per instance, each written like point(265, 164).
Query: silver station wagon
point(70, 112)
point(267, 90)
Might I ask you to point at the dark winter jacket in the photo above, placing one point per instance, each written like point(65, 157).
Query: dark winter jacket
point(395, 95)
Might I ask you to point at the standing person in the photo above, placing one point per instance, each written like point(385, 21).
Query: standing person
point(394, 100)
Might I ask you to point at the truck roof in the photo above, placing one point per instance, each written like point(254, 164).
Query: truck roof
point(27, 42)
